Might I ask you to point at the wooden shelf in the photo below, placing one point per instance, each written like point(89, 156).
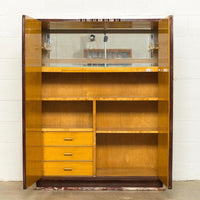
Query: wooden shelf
point(67, 129)
point(99, 69)
point(103, 99)
point(101, 130)
point(126, 172)
point(67, 98)
point(86, 61)
point(118, 130)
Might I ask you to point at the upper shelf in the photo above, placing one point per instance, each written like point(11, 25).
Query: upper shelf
point(60, 129)
point(99, 69)
point(130, 98)
point(119, 130)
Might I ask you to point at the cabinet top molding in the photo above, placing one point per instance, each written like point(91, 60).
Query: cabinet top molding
point(101, 20)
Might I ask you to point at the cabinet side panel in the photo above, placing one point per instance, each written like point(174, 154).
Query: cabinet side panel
point(163, 106)
point(171, 100)
point(32, 100)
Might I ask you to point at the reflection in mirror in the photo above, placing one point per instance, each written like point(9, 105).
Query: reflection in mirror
point(99, 50)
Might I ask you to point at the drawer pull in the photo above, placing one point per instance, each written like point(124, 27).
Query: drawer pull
point(67, 169)
point(67, 139)
point(67, 154)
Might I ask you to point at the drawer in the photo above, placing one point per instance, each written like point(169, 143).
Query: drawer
point(68, 168)
point(67, 138)
point(68, 153)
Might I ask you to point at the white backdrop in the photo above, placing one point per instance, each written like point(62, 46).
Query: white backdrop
point(186, 159)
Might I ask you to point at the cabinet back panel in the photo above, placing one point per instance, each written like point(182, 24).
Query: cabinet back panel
point(126, 151)
point(67, 114)
point(100, 84)
point(127, 115)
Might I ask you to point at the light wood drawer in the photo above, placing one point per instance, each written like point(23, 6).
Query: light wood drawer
point(68, 168)
point(68, 153)
point(67, 138)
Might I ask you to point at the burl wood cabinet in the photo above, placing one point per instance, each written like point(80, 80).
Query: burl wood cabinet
point(97, 102)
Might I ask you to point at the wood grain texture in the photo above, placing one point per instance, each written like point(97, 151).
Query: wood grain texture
point(171, 100)
point(110, 98)
point(68, 153)
point(74, 138)
point(100, 85)
point(64, 129)
point(127, 115)
point(142, 130)
point(126, 151)
point(75, 168)
point(163, 107)
point(100, 25)
point(163, 53)
point(34, 138)
point(67, 114)
point(126, 172)
point(99, 69)
point(32, 100)
point(94, 138)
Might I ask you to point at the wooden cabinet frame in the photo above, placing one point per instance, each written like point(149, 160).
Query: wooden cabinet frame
point(35, 111)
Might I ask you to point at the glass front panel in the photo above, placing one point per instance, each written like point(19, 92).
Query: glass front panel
point(99, 50)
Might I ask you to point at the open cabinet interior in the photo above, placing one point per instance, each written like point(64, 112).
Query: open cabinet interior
point(77, 114)
point(97, 102)
point(99, 85)
point(127, 135)
point(127, 154)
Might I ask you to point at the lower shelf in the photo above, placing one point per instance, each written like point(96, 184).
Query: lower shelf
point(130, 130)
point(126, 172)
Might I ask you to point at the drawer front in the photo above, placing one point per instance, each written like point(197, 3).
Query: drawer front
point(68, 153)
point(68, 168)
point(67, 138)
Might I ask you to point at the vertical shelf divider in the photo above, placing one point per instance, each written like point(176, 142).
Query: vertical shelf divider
point(94, 137)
